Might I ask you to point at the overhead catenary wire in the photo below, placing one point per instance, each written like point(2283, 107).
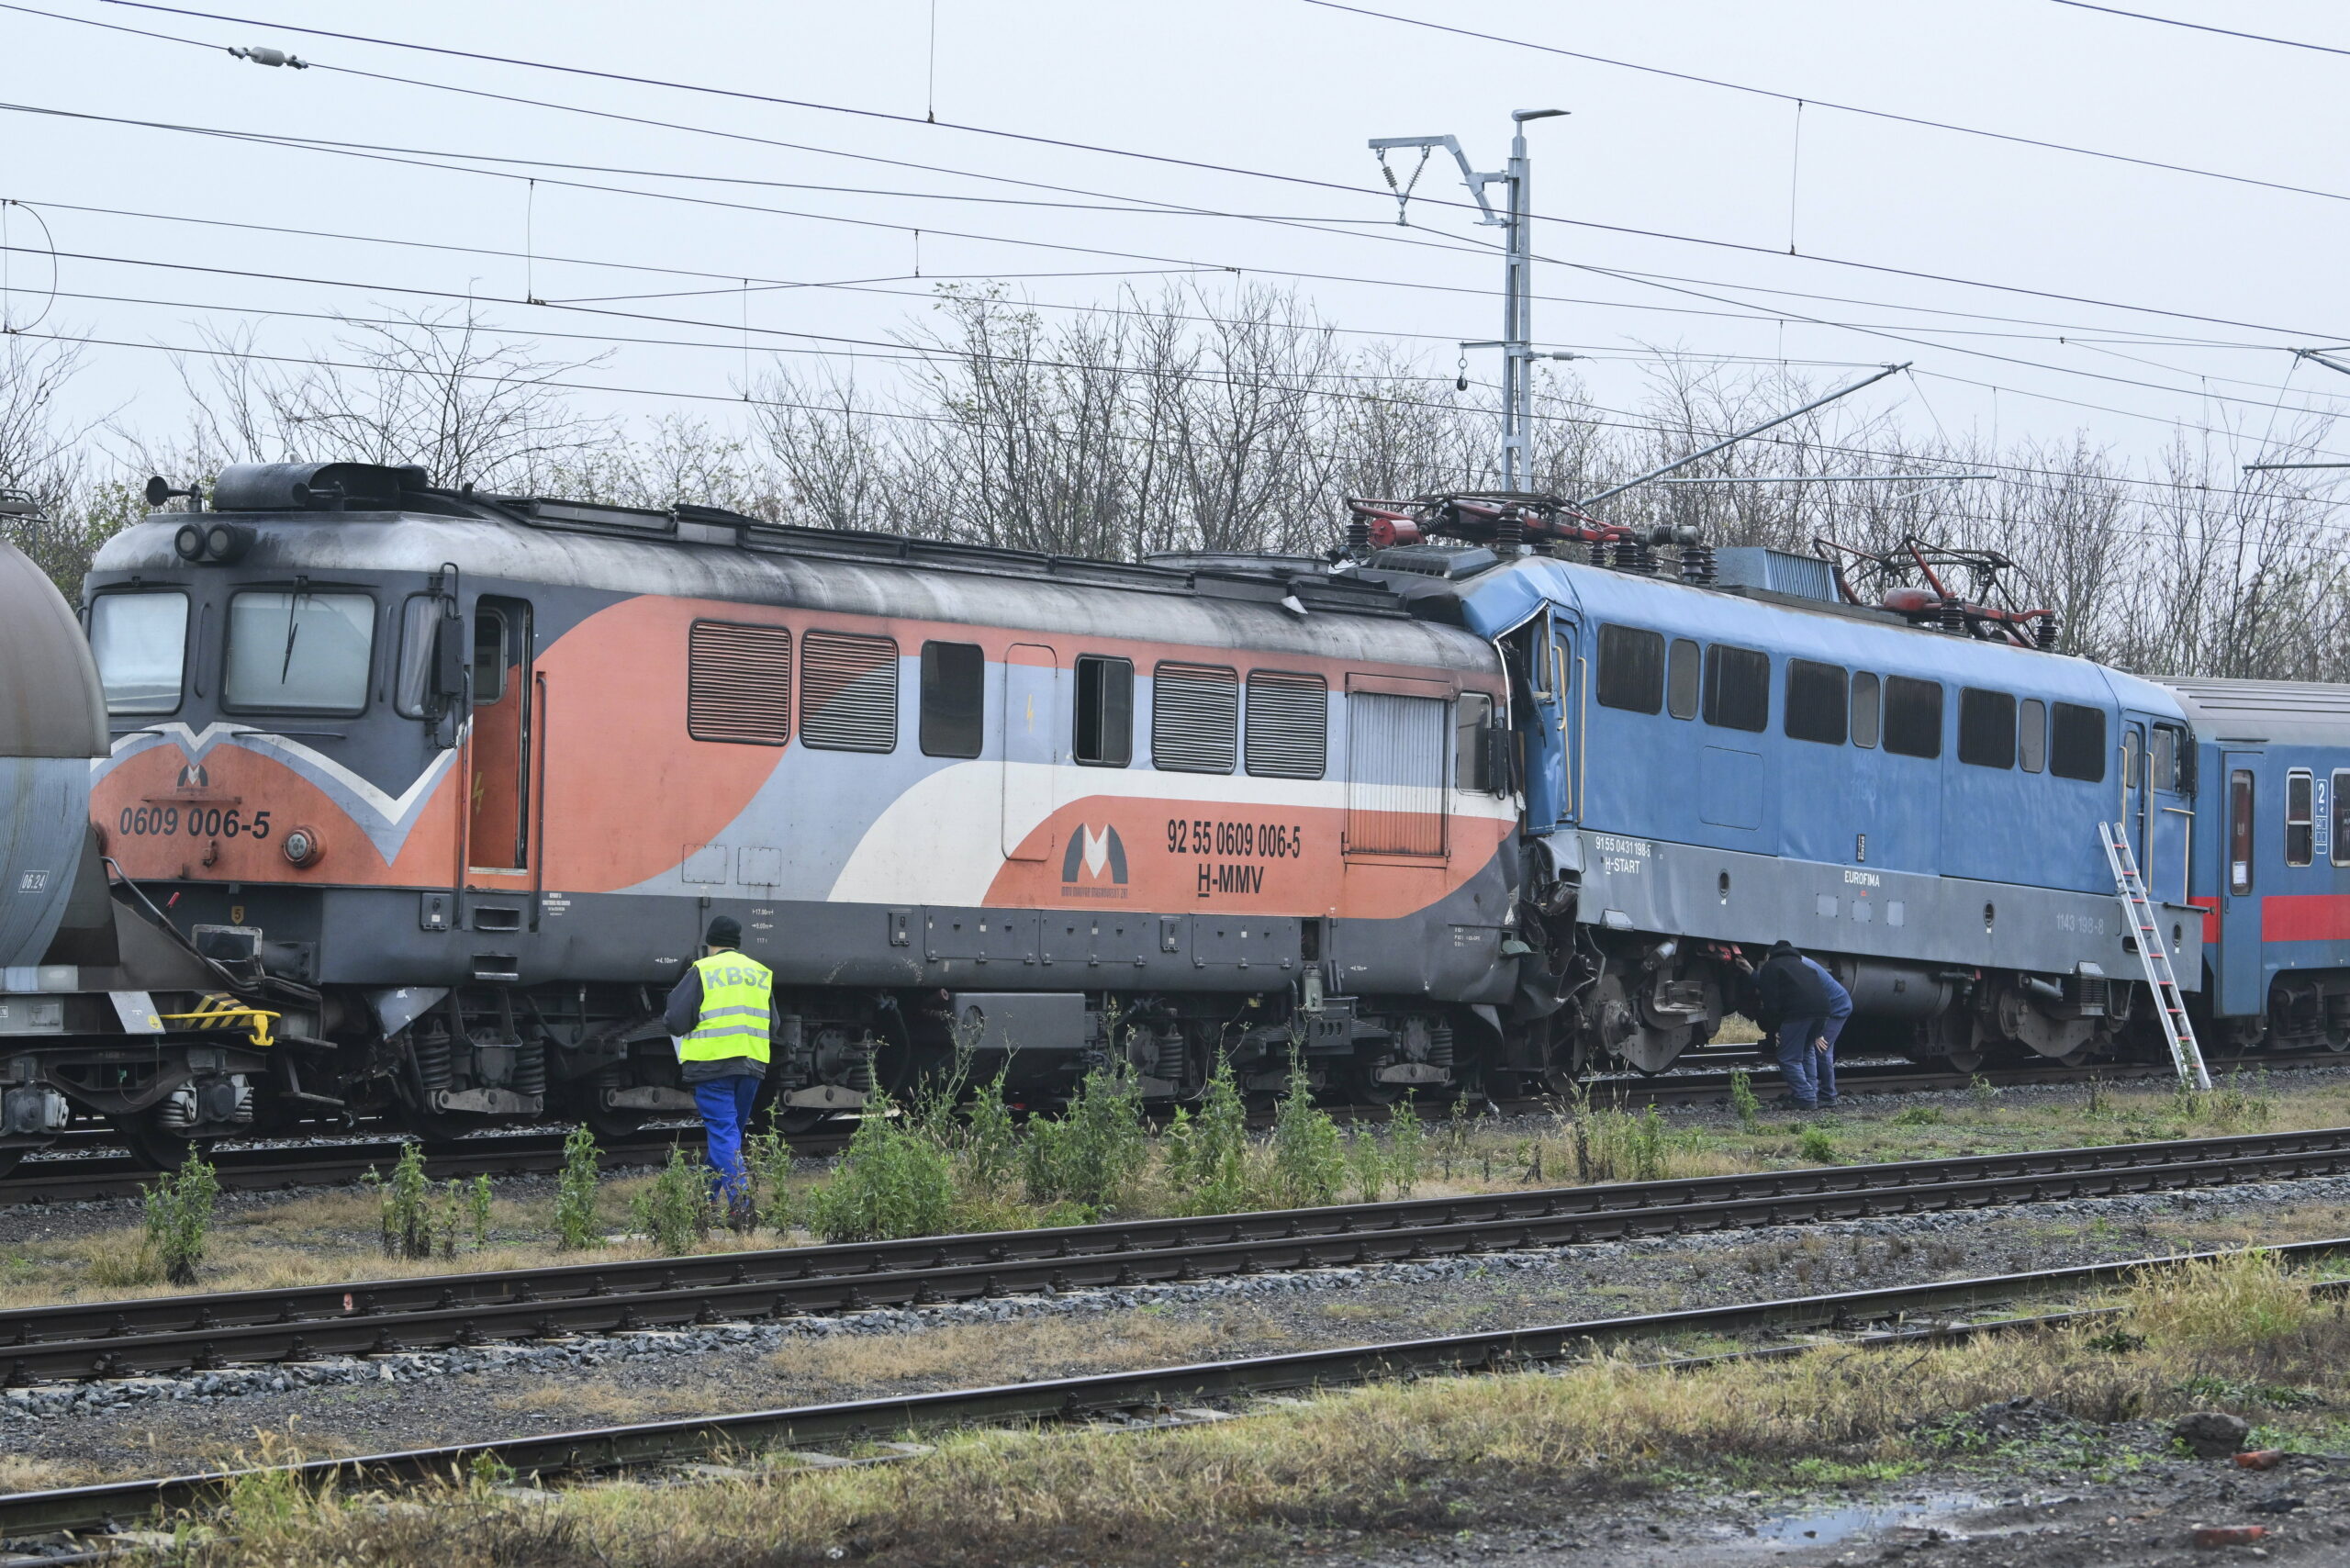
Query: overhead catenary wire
point(1815, 101)
point(742, 94)
point(470, 295)
point(2205, 27)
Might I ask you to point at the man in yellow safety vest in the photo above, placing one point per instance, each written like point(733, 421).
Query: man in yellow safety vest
point(722, 1015)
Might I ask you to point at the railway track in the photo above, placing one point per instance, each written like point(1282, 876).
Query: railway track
point(1900, 1314)
point(377, 1316)
point(83, 1177)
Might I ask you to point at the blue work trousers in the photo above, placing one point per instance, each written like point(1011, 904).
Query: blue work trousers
point(1797, 1061)
point(1823, 1062)
point(725, 1107)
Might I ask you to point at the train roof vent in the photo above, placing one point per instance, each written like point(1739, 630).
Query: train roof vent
point(1434, 560)
point(1776, 571)
point(310, 486)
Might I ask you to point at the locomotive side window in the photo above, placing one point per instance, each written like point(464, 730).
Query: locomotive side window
point(1472, 760)
point(2341, 855)
point(1105, 712)
point(848, 692)
point(953, 699)
point(489, 656)
point(1683, 673)
point(1987, 727)
point(140, 641)
point(1913, 716)
point(1195, 718)
point(2240, 832)
point(1738, 688)
point(1815, 701)
point(1631, 669)
point(1865, 710)
point(298, 653)
point(738, 683)
point(412, 684)
point(2300, 817)
point(2077, 743)
point(2032, 734)
point(2162, 759)
point(1288, 725)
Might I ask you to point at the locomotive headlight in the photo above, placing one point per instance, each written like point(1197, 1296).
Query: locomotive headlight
point(302, 846)
point(189, 542)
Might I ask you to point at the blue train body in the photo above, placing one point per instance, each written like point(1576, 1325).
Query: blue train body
point(1711, 766)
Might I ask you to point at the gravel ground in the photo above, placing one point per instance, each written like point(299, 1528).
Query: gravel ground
point(132, 1428)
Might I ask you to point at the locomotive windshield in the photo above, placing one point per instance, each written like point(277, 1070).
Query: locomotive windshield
point(299, 651)
point(140, 641)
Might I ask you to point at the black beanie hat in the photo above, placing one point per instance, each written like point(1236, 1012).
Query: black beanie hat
point(1782, 949)
point(725, 932)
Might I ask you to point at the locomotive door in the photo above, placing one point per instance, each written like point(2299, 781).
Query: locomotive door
point(498, 803)
point(1543, 688)
point(1030, 717)
point(2170, 811)
point(2134, 789)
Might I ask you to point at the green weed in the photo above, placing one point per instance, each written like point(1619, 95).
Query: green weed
point(892, 1182)
point(575, 1193)
point(1309, 1158)
point(1743, 1100)
point(406, 1219)
point(179, 1215)
point(675, 1208)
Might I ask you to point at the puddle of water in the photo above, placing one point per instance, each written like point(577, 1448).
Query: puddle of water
point(1826, 1525)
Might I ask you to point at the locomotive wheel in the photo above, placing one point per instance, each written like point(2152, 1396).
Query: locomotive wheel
point(438, 1126)
point(151, 1145)
point(1364, 1088)
point(613, 1125)
point(1969, 1060)
point(793, 1120)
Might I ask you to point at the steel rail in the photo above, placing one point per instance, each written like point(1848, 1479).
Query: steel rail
point(387, 1315)
point(1155, 1391)
point(82, 1179)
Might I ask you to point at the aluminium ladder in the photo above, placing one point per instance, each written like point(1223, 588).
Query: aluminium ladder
point(2169, 1004)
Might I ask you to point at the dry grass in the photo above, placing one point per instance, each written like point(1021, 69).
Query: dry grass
point(1413, 1455)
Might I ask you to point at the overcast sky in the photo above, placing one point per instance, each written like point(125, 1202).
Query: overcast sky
point(1280, 87)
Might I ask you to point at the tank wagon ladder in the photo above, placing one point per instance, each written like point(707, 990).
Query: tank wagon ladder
point(2170, 1003)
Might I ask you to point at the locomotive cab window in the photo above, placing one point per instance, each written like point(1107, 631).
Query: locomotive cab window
point(1987, 728)
point(2341, 845)
point(848, 692)
point(140, 641)
point(1913, 716)
point(2300, 817)
point(1816, 701)
point(1473, 772)
point(1685, 672)
point(299, 652)
point(2239, 803)
point(2032, 734)
point(490, 655)
point(2162, 759)
point(953, 699)
point(1288, 725)
point(1195, 718)
point(1631, 669)
point(1105, 712)
point(2077, 743)
point(1738, 688)
point(1865, 708)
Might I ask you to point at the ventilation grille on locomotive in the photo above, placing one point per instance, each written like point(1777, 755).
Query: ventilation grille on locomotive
point(738, 683)
point(1395, 758)
point(848, 692)
point(1195, 718)
point(1288, 725)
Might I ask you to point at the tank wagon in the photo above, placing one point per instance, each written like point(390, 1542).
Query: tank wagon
point(105, 1008)
point(470, 773)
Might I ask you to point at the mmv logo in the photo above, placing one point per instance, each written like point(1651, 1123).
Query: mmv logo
point(1090, 854)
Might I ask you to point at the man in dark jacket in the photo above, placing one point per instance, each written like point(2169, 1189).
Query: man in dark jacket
point(722, 1017)
point(1795, 1001)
